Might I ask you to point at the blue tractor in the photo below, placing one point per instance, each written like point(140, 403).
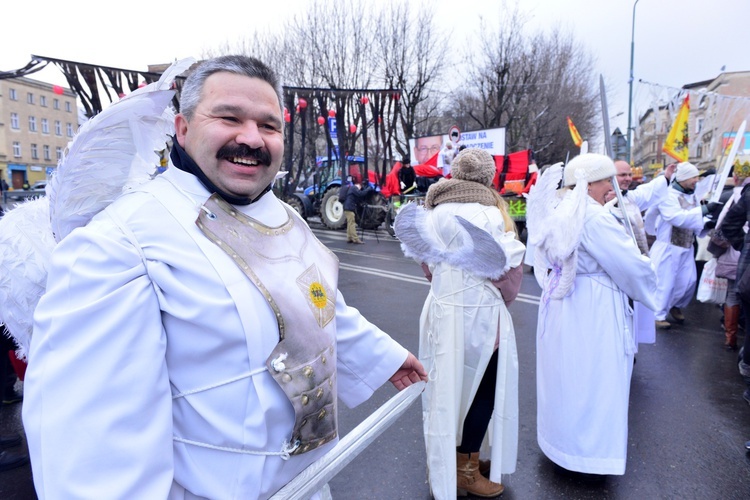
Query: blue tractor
point(321, 197)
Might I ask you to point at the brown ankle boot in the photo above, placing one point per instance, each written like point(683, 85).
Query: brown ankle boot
point(470, 480)
point(731, 321)
point(484, 467)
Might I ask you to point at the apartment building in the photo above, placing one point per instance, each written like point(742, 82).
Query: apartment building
point(649, 139)
point(717, 107)
point(37, 120)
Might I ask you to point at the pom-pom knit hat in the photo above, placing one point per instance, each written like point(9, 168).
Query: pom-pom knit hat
point(474, 164)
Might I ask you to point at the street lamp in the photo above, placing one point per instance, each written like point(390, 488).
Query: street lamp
point(630, 99)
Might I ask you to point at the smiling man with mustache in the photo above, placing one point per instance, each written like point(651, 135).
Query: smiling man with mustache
point(192, 342)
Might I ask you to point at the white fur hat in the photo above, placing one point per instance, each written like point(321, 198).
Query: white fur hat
point(685, 171)
point(595, 167)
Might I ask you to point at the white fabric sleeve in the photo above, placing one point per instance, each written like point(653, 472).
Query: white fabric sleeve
point(98, 408)
point(367, 357)
point(606, 242)
point(674, 214)
point(652, 193)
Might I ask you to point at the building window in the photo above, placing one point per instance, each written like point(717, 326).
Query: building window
point(46, 152)
point(58, 128)
point(56, 103)
point(14, 121)
point(43, 101)
point(69, 129)
point(698, 125)
point(67, 106)
point(17, 149)
point(32, 124)
point(13, 96)
point(58, 152)
point(45, 126)
point(653, 147)
point(699, 151)
point(34, 152)
point(30, 98)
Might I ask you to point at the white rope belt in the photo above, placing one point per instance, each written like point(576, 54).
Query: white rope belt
point(219, 384)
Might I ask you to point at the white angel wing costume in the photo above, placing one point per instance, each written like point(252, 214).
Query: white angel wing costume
point(554, 221)
point(111, 153)
point(477, 252)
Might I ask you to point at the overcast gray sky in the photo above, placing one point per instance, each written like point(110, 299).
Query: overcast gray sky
point(676, 41)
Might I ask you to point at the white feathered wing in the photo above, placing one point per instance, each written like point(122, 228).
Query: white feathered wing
point(113, 152)
point(554, 221)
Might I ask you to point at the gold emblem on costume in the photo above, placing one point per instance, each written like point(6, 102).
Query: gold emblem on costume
point(320, 296)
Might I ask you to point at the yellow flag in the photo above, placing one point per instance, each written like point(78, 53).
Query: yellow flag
point(574, 133)
point(676, 144)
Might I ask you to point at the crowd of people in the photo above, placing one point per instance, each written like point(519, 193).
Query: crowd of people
point(192, 341)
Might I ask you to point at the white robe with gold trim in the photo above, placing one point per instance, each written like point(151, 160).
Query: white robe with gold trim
point(585, 348)
point(115, 340)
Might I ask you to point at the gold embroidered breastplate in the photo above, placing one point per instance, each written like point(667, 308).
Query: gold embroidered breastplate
point(298, 277)
point(683, 237)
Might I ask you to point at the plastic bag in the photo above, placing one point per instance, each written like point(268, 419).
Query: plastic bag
point(711, 289)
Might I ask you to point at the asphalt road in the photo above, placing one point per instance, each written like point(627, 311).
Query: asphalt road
point(688, 422)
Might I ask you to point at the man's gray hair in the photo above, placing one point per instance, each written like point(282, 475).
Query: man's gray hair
point(240, 65)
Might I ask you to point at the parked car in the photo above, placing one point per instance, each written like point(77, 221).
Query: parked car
point(39, 186)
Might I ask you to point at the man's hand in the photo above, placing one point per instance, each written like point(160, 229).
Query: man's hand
point(410, 372)
point(669, 171)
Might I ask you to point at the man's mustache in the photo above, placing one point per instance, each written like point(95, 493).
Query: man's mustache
point(244, 151)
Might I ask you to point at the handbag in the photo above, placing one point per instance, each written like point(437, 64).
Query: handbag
point(711, 289)
point(717, 243)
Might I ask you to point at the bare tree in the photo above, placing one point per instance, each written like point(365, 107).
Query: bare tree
point(529, 83)
point(411, 51)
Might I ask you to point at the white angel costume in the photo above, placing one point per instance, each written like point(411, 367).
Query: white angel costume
point(147, 366)
point(464, 317)
point(637, 201)
point(585, 338)
point(149, 370)
point(676, 222)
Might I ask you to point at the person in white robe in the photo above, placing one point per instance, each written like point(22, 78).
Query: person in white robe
point(677, 221)
point(466, 241)
point(151, 369)
point(637, 201)
point(585, 333)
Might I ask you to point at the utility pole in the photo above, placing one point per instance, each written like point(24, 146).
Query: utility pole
point(630, 99)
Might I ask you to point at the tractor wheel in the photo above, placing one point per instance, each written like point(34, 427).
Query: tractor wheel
point(332, 210)
point(297, 205)
point(374, 212)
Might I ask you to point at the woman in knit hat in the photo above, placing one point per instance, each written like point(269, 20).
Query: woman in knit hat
point(589, 270)
point(467, 245)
